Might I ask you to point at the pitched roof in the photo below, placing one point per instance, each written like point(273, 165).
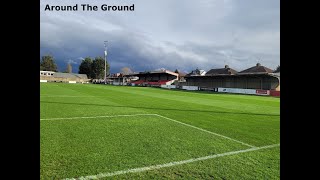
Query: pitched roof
point(154, 72)
point(277, 70)
point(197, 72)
point(225, 70)
point(70, 75)
point(182, 74)
point(257, 69)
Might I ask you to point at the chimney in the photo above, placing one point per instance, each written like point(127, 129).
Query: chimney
point(226, 66)
point(258, 64)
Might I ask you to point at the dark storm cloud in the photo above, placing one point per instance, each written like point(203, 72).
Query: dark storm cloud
point(166, 34)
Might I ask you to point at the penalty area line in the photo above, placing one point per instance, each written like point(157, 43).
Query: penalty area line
point(62, 96)
point(94, 117)
point(148, 168)
point(206, 131)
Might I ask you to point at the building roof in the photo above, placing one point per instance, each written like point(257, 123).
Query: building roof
point(256, 70)
point(69, 75)
point(277, 70)
point(154, 72)
point(47, 71)
point(182, 74)
point(116, 75)
point(197, 72)
point(236, 75)
point(221, 71)
point(275, 74)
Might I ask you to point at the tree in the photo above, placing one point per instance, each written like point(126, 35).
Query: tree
point(97, 68)
point(93, 68)
point(278, 69)
point(176, 71)
point(47, 63)
point(126, 71)
point(86, 67)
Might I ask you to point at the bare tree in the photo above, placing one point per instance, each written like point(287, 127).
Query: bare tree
point(126, 71)
point(69, 68)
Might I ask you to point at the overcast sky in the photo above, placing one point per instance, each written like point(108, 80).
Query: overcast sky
point(171, 34)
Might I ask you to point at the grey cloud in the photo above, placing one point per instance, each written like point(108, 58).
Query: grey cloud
point(168, 34)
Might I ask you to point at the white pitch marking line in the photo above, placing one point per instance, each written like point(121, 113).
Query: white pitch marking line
point(205, 130)
point(67, 96)
point(135, 170)
point(94, 117)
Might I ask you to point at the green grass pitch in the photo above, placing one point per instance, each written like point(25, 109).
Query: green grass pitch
point(83, 134)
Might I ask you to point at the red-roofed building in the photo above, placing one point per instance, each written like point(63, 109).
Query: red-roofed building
point(154, 78)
